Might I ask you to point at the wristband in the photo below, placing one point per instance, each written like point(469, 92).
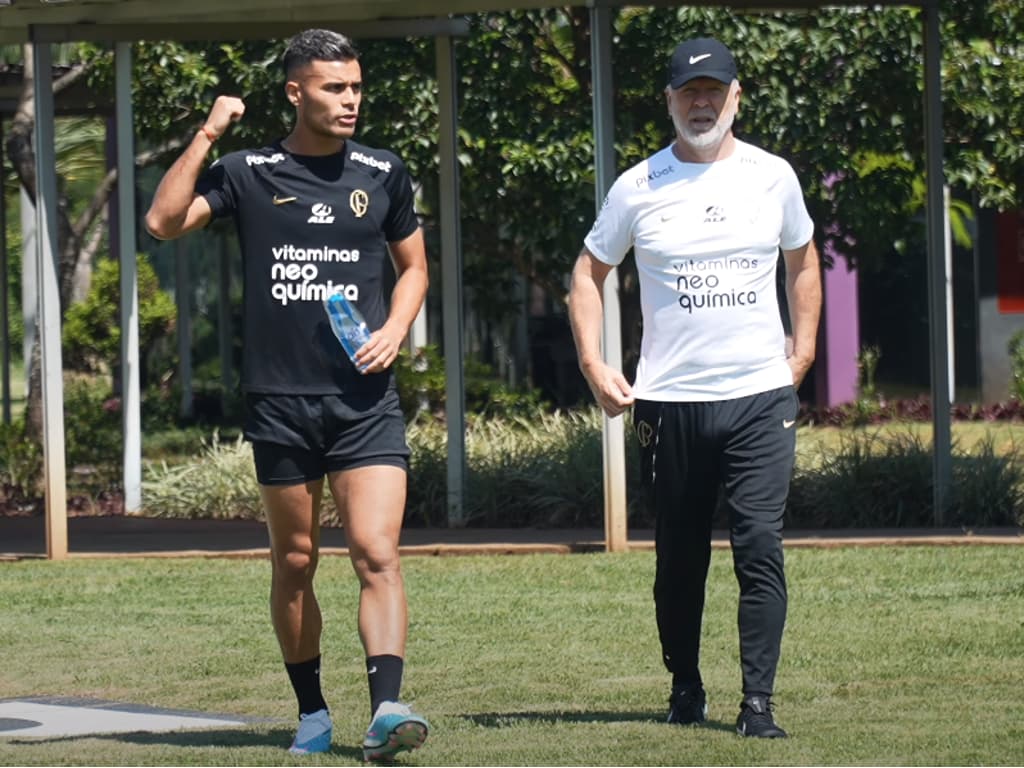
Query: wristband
point(208, 134)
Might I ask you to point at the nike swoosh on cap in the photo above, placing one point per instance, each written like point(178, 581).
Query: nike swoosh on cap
point(695, 59)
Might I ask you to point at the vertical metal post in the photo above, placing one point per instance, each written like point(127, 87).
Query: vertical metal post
point(613, 430)
point(49, 309)
point(131, 400)
point(5, 326)
point(451, 277)
point(942, 462)
point(29, 282)
point(224, 335)
point(947, 252)
point(182, 292)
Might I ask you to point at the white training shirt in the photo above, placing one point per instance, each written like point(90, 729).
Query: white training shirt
point(706, 239)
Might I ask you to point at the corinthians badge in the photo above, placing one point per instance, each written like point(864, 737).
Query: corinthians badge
point(359, 202)
point(644, 433)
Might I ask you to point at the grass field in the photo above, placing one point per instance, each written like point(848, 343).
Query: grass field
point(892, 656)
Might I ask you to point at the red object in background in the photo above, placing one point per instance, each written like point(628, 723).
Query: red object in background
point(1010, 261)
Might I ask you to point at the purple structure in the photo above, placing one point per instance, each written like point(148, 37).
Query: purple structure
point(836, 372)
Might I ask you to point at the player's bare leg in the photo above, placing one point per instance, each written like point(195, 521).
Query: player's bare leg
point(293, 523)
point(371, 501)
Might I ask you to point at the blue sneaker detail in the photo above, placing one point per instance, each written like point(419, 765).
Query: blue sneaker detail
point(314, 734)
point(395, 728)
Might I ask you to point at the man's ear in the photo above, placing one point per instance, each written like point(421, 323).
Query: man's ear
point(293, 92)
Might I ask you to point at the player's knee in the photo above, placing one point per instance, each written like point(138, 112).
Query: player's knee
point(757, 535)
point(758, 554)
point(378, 565)
point(297, 563)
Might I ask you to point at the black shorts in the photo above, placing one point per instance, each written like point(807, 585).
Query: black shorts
point(298, 438)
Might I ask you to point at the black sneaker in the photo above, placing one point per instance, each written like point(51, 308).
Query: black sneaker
point(688, 705)
point(756, 719)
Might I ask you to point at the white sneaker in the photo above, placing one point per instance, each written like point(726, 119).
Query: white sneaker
point(394, 728)
point(314, 734)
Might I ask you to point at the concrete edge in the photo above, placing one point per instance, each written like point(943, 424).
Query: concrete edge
point(499, 548)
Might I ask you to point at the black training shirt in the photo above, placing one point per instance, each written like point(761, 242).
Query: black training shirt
point(306, 225)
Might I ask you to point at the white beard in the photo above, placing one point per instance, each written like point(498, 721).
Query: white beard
point(707, 139)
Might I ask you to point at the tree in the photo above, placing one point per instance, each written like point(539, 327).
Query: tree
point(92, 331)
point(73, 236)
point(838, 92)
point(80, 222)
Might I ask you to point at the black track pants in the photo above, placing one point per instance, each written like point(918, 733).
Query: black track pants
point(690, 452)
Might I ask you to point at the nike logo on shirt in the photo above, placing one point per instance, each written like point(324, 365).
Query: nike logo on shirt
point(283, 200)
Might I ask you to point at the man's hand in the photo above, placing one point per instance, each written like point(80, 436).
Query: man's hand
point(610, 388)
point(803, 288)
point(799, 366)
point(380, 351)
point(226, 110)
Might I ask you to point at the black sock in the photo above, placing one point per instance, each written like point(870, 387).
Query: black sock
point(305, 677)
point(385, 676)
point(680, 681)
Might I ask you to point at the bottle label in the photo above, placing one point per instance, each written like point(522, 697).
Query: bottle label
point(347, 323)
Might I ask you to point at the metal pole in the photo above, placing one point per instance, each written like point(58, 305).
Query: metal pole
point(49, 313)
point(942, 465)
point(29, 282)
point(182, 292)
point(131, 400)
point(451, 278)
point(613, 440)
point(5, 326)
point(224, 337)
point(947, 252)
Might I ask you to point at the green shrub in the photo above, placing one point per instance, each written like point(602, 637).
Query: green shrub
point(869, 481)
point(21, 462)
point(987, 488)
point(180, 445)
point(160, 407)
point(91, 336)
point(427, 496)
point(872, 480)
point(545, 469)
point(534, 470)
point(422, 388)
point(93, 429)
point(92, 444)
point(1016, 349)
point(540, 470)
point(219, 483)
point(421, 381)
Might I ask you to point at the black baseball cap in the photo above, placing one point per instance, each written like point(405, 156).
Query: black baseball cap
point(701, 57)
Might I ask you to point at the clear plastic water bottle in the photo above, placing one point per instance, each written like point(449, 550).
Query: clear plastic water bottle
point(347, 323)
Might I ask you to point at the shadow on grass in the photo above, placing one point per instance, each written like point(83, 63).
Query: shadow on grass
point(510, 719)
point(238, 738)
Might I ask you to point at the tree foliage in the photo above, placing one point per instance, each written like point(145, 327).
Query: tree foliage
point(839, 92)
point(92, 328)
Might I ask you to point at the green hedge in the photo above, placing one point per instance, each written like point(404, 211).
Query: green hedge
point(546, 471)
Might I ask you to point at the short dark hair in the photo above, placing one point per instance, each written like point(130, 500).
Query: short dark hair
point(317, 45)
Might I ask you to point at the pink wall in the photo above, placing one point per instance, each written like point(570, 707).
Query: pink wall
point(839, 338)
